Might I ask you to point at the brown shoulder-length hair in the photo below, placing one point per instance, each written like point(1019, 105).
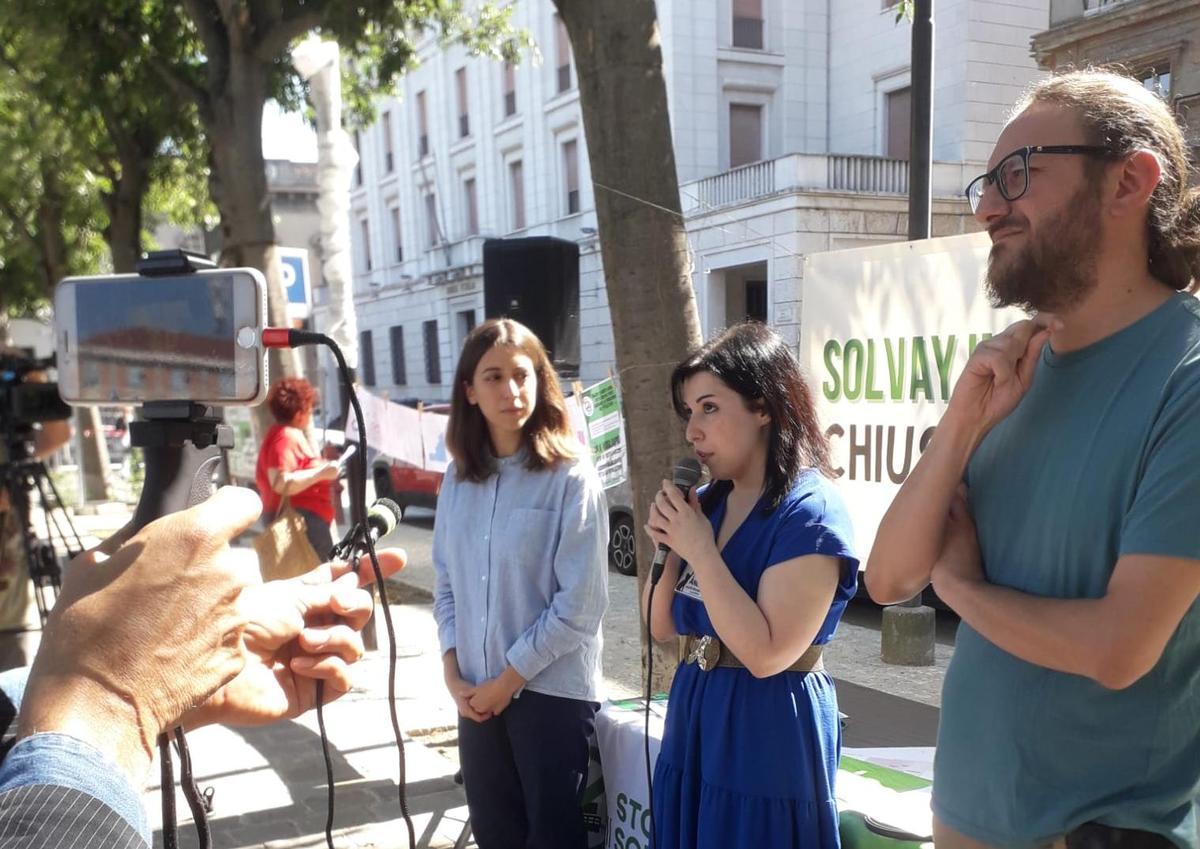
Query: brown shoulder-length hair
point(547, 435)
point(756, 363)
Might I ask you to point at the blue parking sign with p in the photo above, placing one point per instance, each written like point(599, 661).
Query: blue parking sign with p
point(293, 264)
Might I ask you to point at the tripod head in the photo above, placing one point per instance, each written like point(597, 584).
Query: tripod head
point(182, 443)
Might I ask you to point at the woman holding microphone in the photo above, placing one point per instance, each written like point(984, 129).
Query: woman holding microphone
point(761, 569)
point(520, 550)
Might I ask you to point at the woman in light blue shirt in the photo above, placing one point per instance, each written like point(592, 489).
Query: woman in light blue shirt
point(520, 549)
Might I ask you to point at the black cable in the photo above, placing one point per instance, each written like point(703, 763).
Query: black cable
point(191, 792)
point(360, 506)
point(328, 763)
point(167, 781)
point(646, 730)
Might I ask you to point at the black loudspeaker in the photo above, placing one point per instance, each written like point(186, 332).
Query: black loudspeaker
point(536, 281)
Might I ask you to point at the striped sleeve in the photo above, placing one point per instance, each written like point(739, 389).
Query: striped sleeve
point(42, 816)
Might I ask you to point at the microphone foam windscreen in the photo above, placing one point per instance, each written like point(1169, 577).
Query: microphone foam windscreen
point(387, 510)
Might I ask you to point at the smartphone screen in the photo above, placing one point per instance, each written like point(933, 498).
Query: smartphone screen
point(131, 339)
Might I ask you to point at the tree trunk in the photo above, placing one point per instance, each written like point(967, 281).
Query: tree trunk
point(51, 240)
point(247, 227)
point(93, 454)
point(124, 203)
point(643, 242)
point(93, 451)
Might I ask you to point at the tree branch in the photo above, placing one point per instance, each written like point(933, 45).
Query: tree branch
point(216, 48)
point(275, 40)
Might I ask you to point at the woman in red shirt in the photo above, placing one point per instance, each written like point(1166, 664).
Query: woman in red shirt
point(288, 465)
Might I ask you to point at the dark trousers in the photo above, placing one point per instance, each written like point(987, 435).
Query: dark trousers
point(525, 772)
point(320, 535)
point(1093, 835)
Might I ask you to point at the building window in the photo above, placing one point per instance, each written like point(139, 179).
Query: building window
point(562, 53)
point(432, 220)
point(365, 228)
point(366, 355)
point(358, 178)
point(570, 154)
point(422, 126)
point(745, 134)
point(464, 321)
point(387, 142)
point(748, 24)
point(472, 208)
point(516, 182)
point(510, 90)
point(756, 300)
point(433, 356)
point(898, 105)
point(464, 118)
point(397, 234)
point(1157, 80)
point(399, 372)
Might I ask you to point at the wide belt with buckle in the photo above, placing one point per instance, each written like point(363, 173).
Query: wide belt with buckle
point(708, 653)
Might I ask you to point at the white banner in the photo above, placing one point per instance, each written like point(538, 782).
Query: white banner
point(416, 437)
point(885, 332)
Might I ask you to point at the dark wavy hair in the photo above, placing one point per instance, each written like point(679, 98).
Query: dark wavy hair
point(1119, 113)
point(547, 434)
point(290, 397)
point(755, 362)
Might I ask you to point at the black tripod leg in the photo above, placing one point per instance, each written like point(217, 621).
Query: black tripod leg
point(18, 496)
point(43, 475)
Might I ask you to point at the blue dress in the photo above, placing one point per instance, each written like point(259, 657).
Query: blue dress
point(748, 762)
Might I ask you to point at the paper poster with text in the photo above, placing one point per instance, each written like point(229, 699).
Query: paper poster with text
point(601, 405)
point(885, 332)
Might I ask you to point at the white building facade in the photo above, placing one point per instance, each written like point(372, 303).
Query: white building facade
point(790, 124)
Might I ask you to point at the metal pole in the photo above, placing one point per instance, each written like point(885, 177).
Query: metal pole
point(920, 160)
point(908, 629)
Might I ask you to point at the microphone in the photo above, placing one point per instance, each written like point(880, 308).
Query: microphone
point(382, 518)
point(685, 475)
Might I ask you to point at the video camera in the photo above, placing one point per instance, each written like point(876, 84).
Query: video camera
point(25, 403)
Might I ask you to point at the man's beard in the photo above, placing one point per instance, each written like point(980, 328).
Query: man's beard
point(1056, 268)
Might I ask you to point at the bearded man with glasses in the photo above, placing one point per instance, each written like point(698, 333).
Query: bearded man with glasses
point(1057, 509)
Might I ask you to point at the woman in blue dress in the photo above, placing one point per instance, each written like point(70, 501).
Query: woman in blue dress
point(761, 570)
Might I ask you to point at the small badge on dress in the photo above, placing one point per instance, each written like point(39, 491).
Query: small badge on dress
point(687, 585)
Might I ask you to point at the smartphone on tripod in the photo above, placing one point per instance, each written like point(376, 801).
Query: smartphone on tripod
point(131, 339)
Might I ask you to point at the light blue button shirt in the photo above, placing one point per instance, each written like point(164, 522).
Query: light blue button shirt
point(522, 575)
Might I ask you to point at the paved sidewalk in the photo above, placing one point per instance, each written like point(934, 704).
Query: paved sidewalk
point(269, 783)
point(269, 786)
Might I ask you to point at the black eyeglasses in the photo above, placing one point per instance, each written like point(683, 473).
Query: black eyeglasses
point(1011, 175)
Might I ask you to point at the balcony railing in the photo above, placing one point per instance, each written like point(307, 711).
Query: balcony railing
point(872, 174)
point(748, 181)
point(801, 172)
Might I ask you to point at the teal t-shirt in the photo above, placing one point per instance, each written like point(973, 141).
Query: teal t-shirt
point(1100, 459)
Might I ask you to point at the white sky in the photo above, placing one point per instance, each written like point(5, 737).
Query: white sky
point(286, 135)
